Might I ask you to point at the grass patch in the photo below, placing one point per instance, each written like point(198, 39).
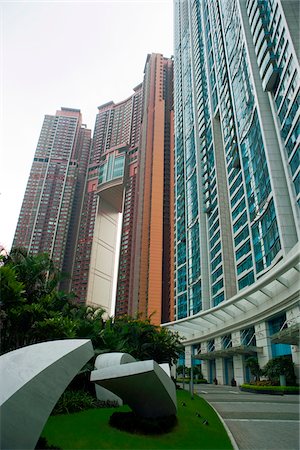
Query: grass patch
point(91, 430)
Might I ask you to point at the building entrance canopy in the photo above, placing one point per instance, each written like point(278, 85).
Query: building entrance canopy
point(290, 335)
point(228, 352)
point(268, 296)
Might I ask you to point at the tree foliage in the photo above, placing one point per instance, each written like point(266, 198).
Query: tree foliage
point(252, 363)
point(282, 365)
point(32, 310)
point(142, 339)
point(186, 371)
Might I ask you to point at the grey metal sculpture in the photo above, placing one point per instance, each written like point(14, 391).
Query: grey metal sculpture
point(32, 380)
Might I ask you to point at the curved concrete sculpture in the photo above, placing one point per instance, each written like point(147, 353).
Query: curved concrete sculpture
point(32, 380)
point(143, 385)
point(113, 359)
point(107, 360)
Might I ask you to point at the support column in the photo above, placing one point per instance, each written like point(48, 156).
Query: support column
point(188, 356)
point(220, 375)
point(204, 364)
point(220, 370)
point(293, 318)
point(263, 340)
point(238, 360)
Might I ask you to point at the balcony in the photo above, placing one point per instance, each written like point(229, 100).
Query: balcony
point(269, 71)
point(270, 78)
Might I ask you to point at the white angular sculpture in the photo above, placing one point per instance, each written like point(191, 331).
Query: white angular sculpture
point(166, 368)
point(32, 380)
point(107, 360)
point(143, 385)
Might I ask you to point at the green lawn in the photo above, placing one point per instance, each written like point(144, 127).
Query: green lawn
point(90, 430)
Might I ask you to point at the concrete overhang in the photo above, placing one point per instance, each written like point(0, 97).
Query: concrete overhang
point(290, 335)
point(230, 351)
point(112, 192)
point(271, 294)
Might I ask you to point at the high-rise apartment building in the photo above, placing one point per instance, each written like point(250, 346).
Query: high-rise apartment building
point(83, 196)
point(130, 173)
point(236, 96)
point(110, 191)
point(151, 279)
point(50, 211)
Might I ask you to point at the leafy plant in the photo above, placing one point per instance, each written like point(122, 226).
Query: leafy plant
point(253, 387)
point(282, 365)
point(141, 339)
point(32, 309)
point(252, 363)
point(74, 401)
point(263, 383)
point(42, 444)
point(188, 379)
point(187, 371)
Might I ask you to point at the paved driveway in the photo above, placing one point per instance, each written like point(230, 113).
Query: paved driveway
point(256, 421)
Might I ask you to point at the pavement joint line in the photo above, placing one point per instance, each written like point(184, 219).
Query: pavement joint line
point(262, 420)
point(234, 403)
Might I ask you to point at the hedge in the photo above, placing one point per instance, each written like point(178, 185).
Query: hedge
point(270, 389)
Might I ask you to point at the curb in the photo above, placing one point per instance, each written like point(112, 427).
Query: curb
point(230, 435)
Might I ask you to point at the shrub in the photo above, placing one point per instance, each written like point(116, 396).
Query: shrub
point(196, 381)
point(187, 372)
point(81, 382)
point(42, 444)
point(264, 383)
point(279, 389)
point(132, 423)
point(107, 404)
point(74, 401)
point(252, 363)
point(282, 365)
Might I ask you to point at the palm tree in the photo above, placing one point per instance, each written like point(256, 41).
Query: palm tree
point(31, 307)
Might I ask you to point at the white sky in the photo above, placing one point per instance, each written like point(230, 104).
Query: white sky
point(73, 54)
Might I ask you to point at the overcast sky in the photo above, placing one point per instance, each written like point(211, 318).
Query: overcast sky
point(73, 54)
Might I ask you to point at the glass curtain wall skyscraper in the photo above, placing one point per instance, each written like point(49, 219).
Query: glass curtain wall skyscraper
point(236, 97)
